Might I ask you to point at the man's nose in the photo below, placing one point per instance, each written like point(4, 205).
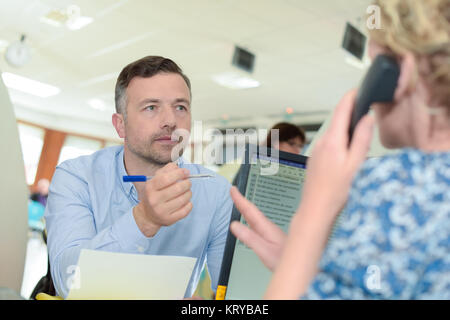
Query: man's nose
point(167, 117)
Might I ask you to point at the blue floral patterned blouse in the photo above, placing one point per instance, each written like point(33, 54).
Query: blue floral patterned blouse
point(392, 241)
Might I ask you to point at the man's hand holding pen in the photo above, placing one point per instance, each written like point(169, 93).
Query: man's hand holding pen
point(166, 199)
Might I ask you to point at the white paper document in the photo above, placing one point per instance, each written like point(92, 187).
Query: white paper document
point(110, 275)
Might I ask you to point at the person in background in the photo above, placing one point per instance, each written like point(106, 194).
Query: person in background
point(91, 207)
point(393, 241)
point(36, 205)
point(42, 192)
point(291, 138)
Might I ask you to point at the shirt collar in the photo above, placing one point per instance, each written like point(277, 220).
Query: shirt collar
point(120, 165)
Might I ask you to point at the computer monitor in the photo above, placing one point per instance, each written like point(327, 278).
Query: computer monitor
point(13, 199)
point(273, 181)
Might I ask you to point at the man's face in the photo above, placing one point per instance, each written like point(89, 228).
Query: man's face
point(156, 107)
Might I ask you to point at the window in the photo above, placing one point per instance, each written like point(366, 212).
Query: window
point(31, 142)
point(76, 146)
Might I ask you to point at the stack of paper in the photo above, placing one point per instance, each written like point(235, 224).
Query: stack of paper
point(111, 275)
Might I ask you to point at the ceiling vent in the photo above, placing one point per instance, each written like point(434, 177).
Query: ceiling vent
point(243, 59)
point(354, 41)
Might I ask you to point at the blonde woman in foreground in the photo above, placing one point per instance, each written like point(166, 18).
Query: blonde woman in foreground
point(393, 240)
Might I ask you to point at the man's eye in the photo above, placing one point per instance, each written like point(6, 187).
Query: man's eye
point(180, 107)
point(150, 108)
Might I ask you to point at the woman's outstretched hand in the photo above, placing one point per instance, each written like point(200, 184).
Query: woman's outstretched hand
point(329, 174)
point(264, 237)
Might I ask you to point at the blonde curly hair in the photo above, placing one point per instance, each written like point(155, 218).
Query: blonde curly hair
point(421, 27)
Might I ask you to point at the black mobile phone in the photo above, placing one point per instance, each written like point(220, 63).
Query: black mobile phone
point(378, 85)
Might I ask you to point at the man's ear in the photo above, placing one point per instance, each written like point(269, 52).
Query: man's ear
point(408, 75)
point(119, 123)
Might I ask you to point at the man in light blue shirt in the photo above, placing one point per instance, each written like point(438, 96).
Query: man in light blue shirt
point(90, 207)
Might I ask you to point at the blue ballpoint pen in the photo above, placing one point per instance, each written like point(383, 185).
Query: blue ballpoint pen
point(145, 178)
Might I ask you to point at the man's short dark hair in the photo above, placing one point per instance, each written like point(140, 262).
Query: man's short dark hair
point(145, 67)
point(287, 131)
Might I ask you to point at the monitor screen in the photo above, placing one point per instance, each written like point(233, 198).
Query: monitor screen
point(278, 197)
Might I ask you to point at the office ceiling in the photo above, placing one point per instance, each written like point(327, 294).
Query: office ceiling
point(299, 62)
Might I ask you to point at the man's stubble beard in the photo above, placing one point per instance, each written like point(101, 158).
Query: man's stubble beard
point(145, 151)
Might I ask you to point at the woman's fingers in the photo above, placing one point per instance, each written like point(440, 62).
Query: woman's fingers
point(361, 140)
point(244, 234)
point(341, 118)
point(254, 217)
point(338, 136)
point(268, 252)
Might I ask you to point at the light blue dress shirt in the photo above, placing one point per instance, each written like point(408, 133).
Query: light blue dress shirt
point(90, 207)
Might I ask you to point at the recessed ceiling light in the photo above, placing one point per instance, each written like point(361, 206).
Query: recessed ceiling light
point(3, 44)
point(97, 104)
point(79, 22)
point(27, 85)
point(233, 80)
point(54, 18)
point(70, 17)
